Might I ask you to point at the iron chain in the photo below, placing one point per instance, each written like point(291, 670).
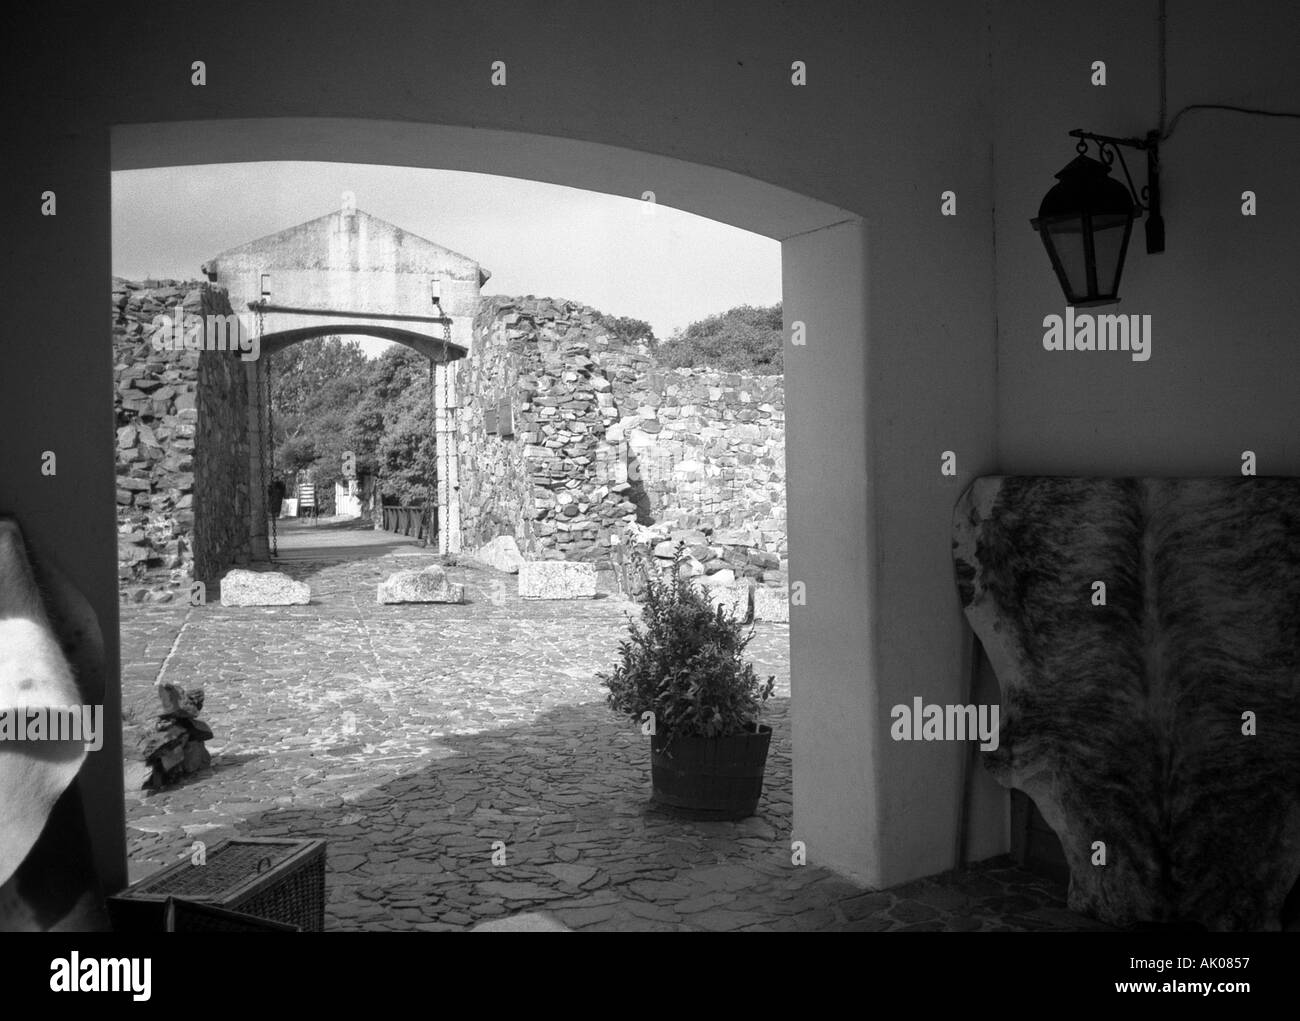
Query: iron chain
point(270, 440)
point(264, 427)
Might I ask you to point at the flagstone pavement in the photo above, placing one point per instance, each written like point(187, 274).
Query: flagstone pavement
point(424, 741)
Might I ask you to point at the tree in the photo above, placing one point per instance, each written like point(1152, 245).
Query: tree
point(315, 388)
point(406, 454)
point(303, 369)
point(743, 339)
point(629, 330)
point(394, 425)
point(329, 398)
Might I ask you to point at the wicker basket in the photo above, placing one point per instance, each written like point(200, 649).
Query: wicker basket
point(278, 880)
point(189, 916)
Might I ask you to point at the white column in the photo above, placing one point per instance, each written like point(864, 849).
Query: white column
point(453, 462)
point(259, 541)
point(834, 655)
point(444, 386)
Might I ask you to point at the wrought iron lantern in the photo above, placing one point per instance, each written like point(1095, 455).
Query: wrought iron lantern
point(1086, 219)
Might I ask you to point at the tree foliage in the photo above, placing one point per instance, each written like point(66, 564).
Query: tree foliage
point(303, 369)
point(314, 385)
point(629, 330)
point(747, 338)
point(398, 413)
point(329, 398)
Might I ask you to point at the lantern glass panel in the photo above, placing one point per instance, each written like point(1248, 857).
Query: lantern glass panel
point(1110, 234)
point(1065, 235)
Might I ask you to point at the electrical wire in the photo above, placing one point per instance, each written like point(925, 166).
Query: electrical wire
point(1224, 106)
point(1164, 132)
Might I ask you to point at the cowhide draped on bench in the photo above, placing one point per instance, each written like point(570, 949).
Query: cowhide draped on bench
point(1128, 723)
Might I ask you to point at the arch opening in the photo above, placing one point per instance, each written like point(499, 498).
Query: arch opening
point(832, 531)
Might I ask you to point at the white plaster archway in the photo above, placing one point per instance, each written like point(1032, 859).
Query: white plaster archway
point(839, 795)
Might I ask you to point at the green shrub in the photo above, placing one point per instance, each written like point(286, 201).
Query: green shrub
point(685, 663)
point(742, 339)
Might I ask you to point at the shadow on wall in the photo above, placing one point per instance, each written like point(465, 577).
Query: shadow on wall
point(636, 492)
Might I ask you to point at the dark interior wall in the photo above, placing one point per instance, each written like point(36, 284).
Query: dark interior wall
point(57, 394)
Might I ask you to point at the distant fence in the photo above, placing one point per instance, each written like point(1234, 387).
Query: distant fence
point(413, 521)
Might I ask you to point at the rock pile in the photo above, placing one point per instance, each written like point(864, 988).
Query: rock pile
point(714, 556)
point(744, 579)
point(176, 746)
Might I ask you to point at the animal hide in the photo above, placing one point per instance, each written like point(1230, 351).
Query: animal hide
point(1126, 722)
point(51, 655)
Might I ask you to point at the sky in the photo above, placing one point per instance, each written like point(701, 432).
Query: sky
point(665, 266)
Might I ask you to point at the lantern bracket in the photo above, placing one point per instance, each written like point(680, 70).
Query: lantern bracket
point(1147, 198)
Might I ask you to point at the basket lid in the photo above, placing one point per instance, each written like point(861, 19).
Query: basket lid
point(227, 869)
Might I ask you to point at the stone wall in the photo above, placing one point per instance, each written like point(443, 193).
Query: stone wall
point(568, 437)
point(181, 448)
point(495, 491)
point(709, 448)
point(222, 515)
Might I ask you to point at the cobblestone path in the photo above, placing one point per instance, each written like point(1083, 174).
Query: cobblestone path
point(413, 738)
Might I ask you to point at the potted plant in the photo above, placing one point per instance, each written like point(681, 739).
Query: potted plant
point(684, 665)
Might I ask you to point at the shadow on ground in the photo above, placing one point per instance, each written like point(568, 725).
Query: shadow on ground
point(565, 801)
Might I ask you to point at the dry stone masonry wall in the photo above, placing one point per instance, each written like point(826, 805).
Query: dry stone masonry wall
point(580, 447)
point(182, 484)
point(573, 442)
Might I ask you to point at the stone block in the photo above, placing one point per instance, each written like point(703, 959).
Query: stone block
point(263, 588)
point(556, 579)
point(501, 554)
point(427, 586)
point(772, 604)
point(665, 549)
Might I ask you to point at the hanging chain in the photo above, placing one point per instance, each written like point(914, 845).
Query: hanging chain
point(431, 478)
point(264, 427)
point(270, 440)
point(261, 426)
